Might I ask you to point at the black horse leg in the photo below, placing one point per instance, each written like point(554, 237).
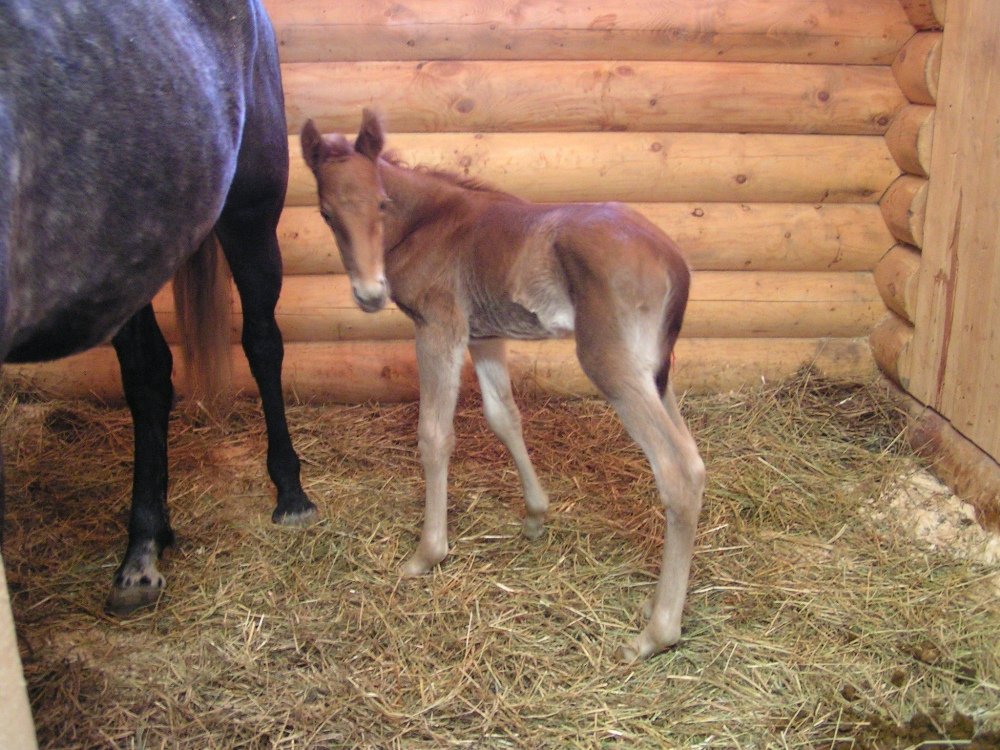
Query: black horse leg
point(248, 238)
point(145, 362)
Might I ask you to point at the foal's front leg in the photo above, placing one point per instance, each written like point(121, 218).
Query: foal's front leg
point(439, 364)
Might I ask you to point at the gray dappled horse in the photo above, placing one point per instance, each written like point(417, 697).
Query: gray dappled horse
point(132, 134)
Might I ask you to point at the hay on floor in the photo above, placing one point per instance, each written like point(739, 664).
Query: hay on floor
point(814, 619)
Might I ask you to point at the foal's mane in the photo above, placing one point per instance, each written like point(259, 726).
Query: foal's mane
point(468, 183)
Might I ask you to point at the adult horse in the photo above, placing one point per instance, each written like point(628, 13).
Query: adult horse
point(132, 135)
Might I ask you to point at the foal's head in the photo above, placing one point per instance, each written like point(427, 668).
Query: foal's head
point(352, 201)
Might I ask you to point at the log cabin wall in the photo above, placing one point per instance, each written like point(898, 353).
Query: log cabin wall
point(941, 339)
point(753, 132)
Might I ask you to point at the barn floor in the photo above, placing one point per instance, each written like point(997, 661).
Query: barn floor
point(816, 619)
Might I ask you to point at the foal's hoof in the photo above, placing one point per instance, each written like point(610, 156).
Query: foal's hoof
point(421, 563)
point(303, 513)
point(534, 528)
point(644, 646)
point(126, 599)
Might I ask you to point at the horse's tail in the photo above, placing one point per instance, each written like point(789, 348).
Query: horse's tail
point(202, 302)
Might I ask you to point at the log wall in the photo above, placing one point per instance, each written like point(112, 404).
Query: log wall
point(940, 342)
point(762, 136)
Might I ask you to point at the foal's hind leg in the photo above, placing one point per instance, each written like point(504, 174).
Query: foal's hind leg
point(680, 479)
point(490, 359)
point(248, 238)
point(145, 362)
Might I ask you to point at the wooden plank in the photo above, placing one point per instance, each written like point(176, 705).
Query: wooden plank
point(712, 236)
point(957, 340)
point(650, 167)
point(547, 95)
point(861, 32)
point(17, 731)
point(727, 304)
point(970, 472)
point(351, 372)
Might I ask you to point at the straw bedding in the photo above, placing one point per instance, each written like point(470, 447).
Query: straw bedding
point(815, 618)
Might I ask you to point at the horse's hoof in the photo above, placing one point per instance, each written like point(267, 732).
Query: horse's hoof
point(305, 516)
point(124, 600)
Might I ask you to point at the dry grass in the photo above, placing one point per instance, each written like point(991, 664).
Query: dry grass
point(809, 623)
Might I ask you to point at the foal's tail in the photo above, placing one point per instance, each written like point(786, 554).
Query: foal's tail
point(202, 301)
point(673, 318)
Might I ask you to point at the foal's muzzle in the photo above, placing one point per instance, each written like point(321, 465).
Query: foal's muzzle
point(371, 296)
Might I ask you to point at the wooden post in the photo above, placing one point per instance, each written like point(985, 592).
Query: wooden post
point(958, 311)
point(971, 472)
point(17, 731)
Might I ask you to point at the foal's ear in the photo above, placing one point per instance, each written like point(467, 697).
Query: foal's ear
point(370, 138)
point(312, 145)
point(318, 148)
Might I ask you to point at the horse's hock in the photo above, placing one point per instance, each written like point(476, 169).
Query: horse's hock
point(787, 147)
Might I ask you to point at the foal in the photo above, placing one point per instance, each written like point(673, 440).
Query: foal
point(472, 266)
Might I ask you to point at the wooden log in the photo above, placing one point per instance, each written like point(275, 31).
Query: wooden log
point(712, 236)
point(722, 304)
point(904, 207)
point(967, 469)
point(862, 32)
point(909, 139)
point(897, 277)
point(310, 308)
point(650, 167)
point(925, 15)
point(917, 67)
point(890, 343)
point(17, 731)
point(573, 96)
point(351, 372)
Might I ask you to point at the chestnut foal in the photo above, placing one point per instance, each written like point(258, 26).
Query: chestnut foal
point(472, 266)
